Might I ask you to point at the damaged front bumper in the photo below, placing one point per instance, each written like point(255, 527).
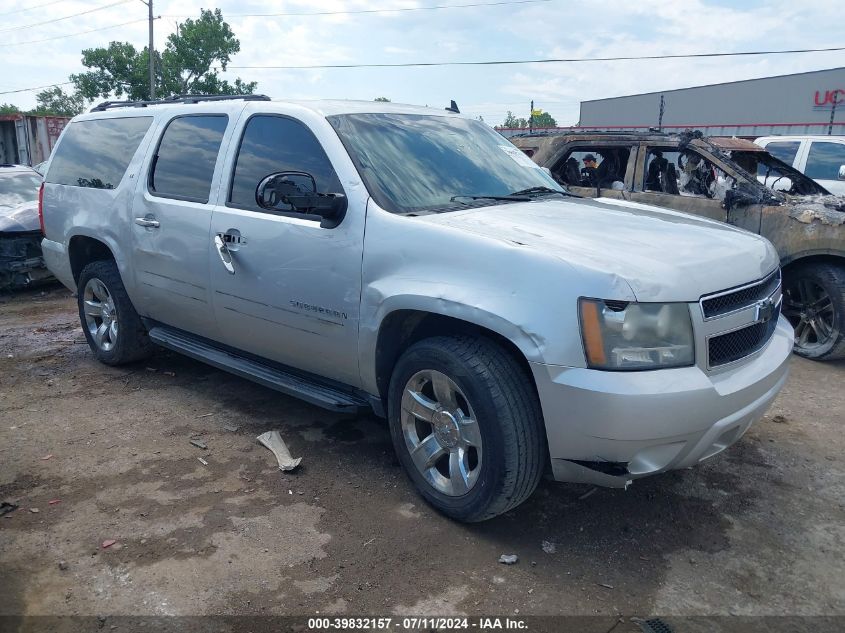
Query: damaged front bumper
point(609, 428)
point(21, 261)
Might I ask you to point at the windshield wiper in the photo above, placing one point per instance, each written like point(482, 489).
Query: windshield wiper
point(542, 189)
point(508, 198)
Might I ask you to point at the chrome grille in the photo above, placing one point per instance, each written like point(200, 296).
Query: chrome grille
point(725, 302)
point(733, 346)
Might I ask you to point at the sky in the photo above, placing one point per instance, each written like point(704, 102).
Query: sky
point(530, 30)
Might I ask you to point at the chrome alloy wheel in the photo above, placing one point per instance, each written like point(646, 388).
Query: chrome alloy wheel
point(100, 314)
point(809, 309)
point(441, 432)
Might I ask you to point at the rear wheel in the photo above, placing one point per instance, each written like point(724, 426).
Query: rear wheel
point(466, 425)
point(814, 303)
point(112, 327)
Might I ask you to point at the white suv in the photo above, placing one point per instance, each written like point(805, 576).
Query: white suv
point(821, 158)
point(413, 262)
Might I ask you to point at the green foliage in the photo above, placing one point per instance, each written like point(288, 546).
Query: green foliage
point(381, 99)
point(189, 64)
point(57, 102)
point(8, 108)
point(543, 119)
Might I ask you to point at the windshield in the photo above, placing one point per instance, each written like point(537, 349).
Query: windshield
point(776, 174)
point(414, 163)
point(18, 188)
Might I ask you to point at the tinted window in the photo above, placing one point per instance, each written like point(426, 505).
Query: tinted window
point(184, 164)
point(96, 153)
point(824, 160)
point(784, 150)
point(272, 144)
point(416, 163)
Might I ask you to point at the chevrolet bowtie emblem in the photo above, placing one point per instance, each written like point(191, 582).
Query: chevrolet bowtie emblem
point(765, 310)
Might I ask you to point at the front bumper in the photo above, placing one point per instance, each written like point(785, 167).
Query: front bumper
point(21, 263)
point(608, 428)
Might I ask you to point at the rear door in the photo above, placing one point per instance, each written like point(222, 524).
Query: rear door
point(293, 296)
point(172, 219)
point(681, 180)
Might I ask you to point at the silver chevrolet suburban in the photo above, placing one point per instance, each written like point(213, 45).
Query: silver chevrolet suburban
point(413, 262)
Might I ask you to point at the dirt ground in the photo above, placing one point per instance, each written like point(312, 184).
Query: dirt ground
point(92, 453)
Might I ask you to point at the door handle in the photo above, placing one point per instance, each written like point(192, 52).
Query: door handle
point(225, 255)
point(148, 222)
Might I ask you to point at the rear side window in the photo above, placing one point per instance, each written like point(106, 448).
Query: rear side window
point(272, 144)
point(824, 160)
point(184, 163)
point(783, 150)
point(96, 153)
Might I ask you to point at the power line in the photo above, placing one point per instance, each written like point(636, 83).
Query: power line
point(571, 60)
point(11, 92)
point(61, 37)
point(360, 11)
point(67, 17)
point(37, 6)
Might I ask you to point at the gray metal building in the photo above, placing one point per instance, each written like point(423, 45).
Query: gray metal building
point(786, 104)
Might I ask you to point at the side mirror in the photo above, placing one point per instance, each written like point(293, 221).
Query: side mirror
point(842, 172)
point(296, 191)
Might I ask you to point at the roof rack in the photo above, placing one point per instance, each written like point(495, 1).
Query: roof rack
point(105, 105)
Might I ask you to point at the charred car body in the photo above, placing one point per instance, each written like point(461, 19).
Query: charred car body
point(730, 180)
point(21, 263)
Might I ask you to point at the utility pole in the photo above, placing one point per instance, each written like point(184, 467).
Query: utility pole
point(660, 118)
point(531, 117)
point(151, 50)
point(833, 111)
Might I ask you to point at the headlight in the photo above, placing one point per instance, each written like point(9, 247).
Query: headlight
point(619, 335)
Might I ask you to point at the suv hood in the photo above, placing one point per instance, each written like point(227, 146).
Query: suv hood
point(663, 255)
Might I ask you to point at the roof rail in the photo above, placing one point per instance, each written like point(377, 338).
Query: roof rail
point(105, 105)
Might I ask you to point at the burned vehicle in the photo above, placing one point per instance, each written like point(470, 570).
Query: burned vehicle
point(21, 263)
point(730, 180)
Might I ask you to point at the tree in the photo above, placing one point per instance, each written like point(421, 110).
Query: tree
point(56, 101)
point(544, 119)
point(513, 122)
point(385, 99)
point(189, 64)
point(8, 108)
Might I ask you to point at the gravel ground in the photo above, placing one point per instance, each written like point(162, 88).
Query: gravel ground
point(92, 454)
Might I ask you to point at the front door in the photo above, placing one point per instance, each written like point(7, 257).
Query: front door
point(171, 222)
point(591, 169)
point(293, 296)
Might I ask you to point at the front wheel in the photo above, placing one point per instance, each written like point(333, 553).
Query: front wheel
point(112, 327)
point(466, 425)
point(814, 303)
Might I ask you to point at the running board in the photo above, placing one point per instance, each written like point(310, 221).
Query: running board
point(287, 382)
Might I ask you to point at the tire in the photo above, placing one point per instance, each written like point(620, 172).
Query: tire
point(466, 482)
point(814, 303)
point(112, 327)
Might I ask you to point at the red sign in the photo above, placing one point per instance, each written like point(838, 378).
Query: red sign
point(829, 97)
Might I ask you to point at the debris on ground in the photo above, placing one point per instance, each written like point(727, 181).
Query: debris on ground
point(508, 559)
point(273, 440)
point(6, 508)
point(231, 427)
point(588, 493)
point(779, 419)
point(168, 373)
point(200, 444)
point(34, 510)
point(108, 543)
point(206, 415)
point(605, 585)
point(46, 457)
point(53, 502)
point(549, 547)
point(63, 565)
point(202, 461)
